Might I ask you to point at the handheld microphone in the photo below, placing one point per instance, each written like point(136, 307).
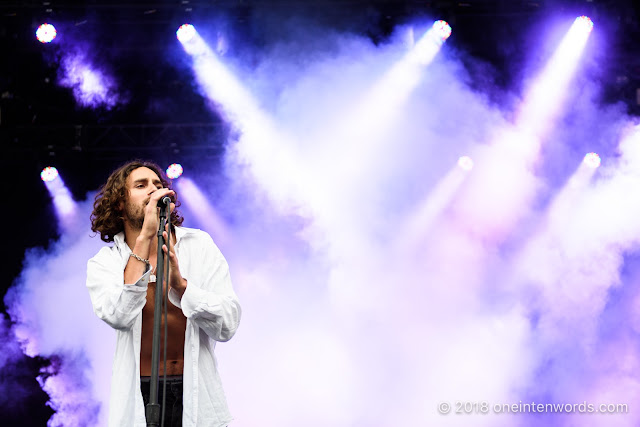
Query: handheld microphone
point(164, 202)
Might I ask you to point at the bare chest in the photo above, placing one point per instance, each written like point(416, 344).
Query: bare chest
point(176, 324)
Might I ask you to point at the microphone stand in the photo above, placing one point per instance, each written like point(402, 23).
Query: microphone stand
point(152, 410)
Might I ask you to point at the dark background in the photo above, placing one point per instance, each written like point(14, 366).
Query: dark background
point(162, 119)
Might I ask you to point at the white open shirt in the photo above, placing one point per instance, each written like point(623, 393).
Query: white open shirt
point(212, 311)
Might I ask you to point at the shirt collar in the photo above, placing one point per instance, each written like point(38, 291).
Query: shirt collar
point(180, 232)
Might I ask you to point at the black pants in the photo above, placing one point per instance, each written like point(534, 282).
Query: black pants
point(173, 402)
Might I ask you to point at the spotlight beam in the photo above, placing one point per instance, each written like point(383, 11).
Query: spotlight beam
point(259, 134)
point(206, 215)
point(545, 97)
point(63, 202)
point(218, 83)
point(417, 227)
point(567, 198)
point(376, 111)
point(374, 115)
point(505, 180)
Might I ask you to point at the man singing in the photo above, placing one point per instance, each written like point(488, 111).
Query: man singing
point(203, 307)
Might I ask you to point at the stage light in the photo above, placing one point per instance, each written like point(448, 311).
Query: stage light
point(465, 163)
point(62, 198)
point(185, 33)
point(49, 173)
point(584, 23)
point(191, 41)
point(174, 171)
point(46, 33)
point(592, 160)
point(442, 29)
point(430, 43)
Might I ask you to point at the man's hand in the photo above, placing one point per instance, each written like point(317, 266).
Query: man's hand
point(151, 214)
point(176, 281)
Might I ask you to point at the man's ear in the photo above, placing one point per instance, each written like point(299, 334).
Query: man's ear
point(121, 204)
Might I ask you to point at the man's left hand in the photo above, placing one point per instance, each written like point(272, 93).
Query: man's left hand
point(176, 281)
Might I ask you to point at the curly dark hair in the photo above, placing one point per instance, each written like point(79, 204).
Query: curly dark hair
point(107, 217)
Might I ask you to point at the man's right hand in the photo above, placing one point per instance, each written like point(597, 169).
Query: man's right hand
point(151, 214)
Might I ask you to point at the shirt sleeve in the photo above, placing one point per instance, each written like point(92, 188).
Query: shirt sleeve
point(209, 299)
point(115, 302)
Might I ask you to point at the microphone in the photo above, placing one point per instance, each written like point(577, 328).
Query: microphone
point(164, 202)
